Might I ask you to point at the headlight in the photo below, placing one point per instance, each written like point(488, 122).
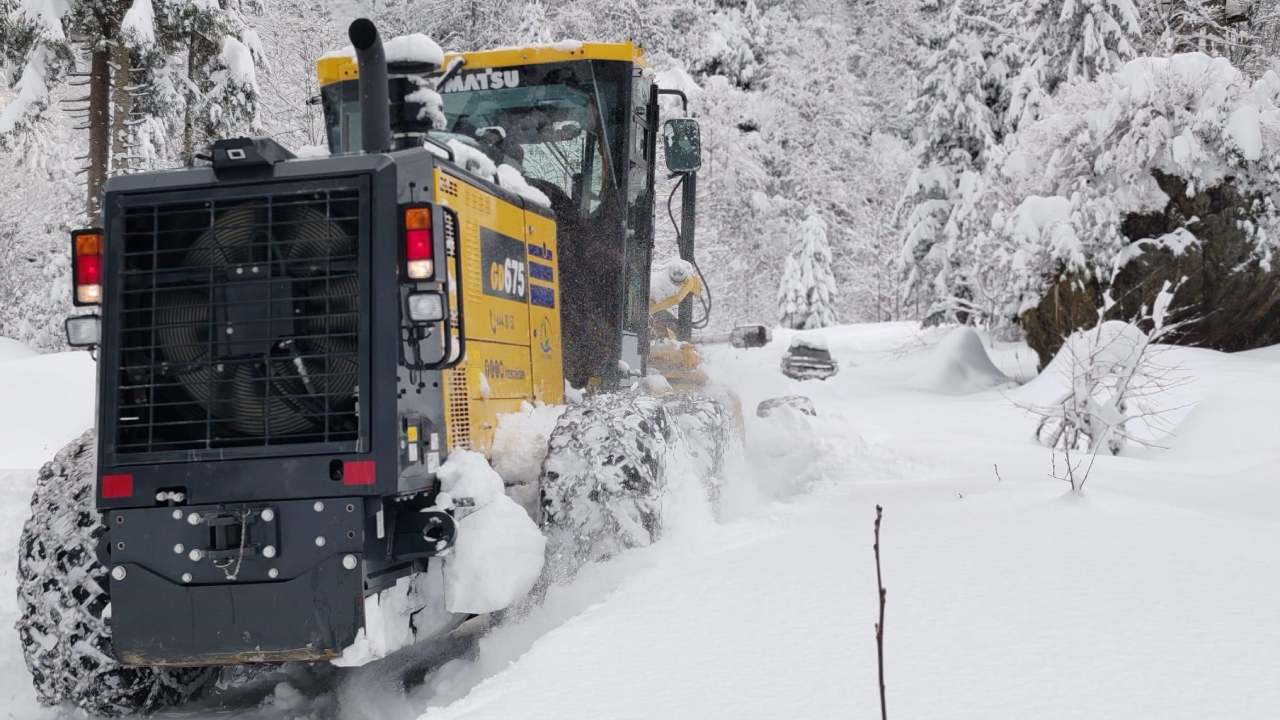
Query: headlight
point(426, 307)
point(84, 331)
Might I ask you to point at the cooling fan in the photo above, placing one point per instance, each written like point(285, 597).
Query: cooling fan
point(268, 344)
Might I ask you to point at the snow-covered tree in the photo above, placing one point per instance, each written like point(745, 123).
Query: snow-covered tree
point(146, 62)
point(736, 45)
point(1244, 31)
point(1077, 39)
point(1176, 26)
point(299, 32)
point(1154, 140)
point(960, 104)
point(534, 24)
point(807, 293)
point(131, 73)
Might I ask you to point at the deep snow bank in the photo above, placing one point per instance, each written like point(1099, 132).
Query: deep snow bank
point(45, 402)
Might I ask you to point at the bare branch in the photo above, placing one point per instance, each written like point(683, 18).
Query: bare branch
point(884, 713)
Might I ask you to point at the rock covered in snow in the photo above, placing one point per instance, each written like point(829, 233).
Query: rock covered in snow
point(1111, 343)
point(788, 403)
point(1163, 170)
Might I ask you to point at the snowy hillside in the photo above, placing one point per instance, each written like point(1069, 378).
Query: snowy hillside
point(1150, 597)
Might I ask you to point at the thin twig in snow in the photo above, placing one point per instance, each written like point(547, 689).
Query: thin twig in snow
point(884, 713)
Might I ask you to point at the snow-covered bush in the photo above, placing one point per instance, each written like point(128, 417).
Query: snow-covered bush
point(1112, 389)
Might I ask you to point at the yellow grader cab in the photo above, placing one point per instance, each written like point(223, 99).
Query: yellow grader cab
point(291, 349)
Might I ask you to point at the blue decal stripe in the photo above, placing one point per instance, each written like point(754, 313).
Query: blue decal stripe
point(541, 272)
point(542, 296)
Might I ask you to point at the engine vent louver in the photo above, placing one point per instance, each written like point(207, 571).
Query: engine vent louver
point(459, 409)
point(240, 323)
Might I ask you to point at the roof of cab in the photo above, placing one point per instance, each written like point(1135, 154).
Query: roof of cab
point(337, 67)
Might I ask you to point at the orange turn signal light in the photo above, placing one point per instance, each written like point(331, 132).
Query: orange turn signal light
point(88, 243)
point(417, 218)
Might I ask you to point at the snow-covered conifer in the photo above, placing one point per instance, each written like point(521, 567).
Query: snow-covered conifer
point(807, 293)
point(960, 134)
point(1081, 38)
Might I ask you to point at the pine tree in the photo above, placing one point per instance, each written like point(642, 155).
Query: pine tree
point(807, 293)
point(112, 82)
point(961, 102)
point(133, 77)
point(1081, 38)
point(534, 25)
point(736, 45)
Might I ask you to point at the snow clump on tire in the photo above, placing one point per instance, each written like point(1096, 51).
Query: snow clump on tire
point(607, 468)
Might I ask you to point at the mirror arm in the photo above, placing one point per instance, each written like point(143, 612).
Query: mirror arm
point(678, 93)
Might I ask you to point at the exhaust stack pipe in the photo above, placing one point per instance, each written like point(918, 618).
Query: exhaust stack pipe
point(375, 105)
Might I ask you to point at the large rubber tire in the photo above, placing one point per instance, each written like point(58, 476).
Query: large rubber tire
point(607, 469)
point(64, 626)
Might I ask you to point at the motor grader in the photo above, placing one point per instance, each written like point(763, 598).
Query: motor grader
point(289, 350)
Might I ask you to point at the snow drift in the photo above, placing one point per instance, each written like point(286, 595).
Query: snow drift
point(958, 365)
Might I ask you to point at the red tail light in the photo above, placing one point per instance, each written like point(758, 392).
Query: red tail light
point(86, 266)
point(359, 472)
point(117, 486)
point(418, 245)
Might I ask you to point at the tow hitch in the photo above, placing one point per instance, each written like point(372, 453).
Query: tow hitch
point(236, 535)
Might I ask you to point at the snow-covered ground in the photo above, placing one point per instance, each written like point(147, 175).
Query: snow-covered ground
point(1150, 597)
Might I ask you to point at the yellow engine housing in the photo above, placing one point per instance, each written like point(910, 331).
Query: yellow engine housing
point(513, 344)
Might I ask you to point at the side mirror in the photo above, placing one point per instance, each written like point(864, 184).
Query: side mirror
point(682, 139)
point(750, 336)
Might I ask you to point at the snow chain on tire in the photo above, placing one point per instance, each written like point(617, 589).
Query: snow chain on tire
point(607, 468)
point(65, 610)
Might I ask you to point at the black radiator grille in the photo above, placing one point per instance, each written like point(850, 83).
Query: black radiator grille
point(239, 323)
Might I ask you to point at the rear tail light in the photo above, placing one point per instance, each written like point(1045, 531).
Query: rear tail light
point(86, 266)
point(117, 486)
point(418, 245)
point(359, 472)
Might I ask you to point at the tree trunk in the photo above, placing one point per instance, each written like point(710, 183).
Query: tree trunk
point(99, 131)
point(188, 113)
point(194, 134)
point(121, 107)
